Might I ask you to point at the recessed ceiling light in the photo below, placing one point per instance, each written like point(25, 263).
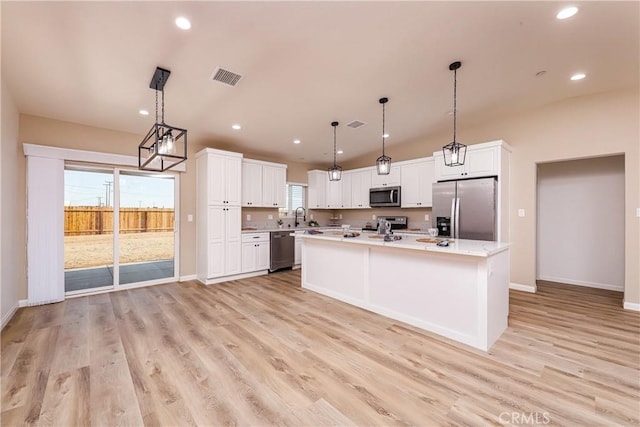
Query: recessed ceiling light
point(236, 127)
point(340, 151)
point(578, 76)
point(183, 23)
point(567, 12)
point(386, 135)
point(143, 112)
point(296, 141)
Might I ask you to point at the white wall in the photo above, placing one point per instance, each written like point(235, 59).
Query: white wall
point(581, 222)
point(10, 250)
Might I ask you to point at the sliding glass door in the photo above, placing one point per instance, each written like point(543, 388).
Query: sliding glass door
point(146, 232)
point(88, 229)
point(119, 228)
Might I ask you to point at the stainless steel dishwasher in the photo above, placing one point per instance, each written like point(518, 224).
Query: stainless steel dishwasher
point(282, 249)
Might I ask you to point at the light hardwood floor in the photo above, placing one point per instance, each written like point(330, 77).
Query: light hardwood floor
point(262, 351)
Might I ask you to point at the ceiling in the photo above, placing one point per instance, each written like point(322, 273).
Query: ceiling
point(306, 64)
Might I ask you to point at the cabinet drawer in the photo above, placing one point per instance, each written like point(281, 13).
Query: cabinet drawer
point(255, 237)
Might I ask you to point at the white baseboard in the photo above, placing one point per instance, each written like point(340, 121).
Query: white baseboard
point(234, 277)
point(607, 286)
point(631, 306)
point(23, 303)
point(524, 288)
point(7, 317)
point(187, 278)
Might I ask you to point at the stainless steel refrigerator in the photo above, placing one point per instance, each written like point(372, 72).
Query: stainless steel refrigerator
point(466, 209)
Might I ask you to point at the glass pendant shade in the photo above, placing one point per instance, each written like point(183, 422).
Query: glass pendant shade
point(383, 163)
point(335, 171)
point(164, 146)
point(454, 154)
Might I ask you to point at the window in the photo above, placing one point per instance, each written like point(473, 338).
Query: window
point(295, 197)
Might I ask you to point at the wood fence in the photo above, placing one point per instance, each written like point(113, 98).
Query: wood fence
point(87, 220)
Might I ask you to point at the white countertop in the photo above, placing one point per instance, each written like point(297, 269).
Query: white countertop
point(479, 248)
point(292, 229)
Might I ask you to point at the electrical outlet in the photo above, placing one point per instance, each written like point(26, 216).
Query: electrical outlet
point(311, 216)
point(426, 217)
point(373, 217)
point(638, 212)
point(270, 217)
point(340, 216)
point(521, 213)
point(248, 217)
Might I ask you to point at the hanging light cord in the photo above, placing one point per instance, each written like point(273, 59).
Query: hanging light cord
point(163, 106)
point(334, 146)
point(455, 80)
point(383, 104)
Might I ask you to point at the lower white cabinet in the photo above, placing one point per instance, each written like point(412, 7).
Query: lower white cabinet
point(255, 252)
point(297, 252)
point(223, 241)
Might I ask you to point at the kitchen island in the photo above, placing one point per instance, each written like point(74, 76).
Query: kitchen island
point(460, 292)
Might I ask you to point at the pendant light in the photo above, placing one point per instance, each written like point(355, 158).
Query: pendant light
point(383, 163)
point(454, 152)
point(335, 171)
point(164, 146)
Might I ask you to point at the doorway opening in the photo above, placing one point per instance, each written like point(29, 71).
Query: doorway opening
point(580, 222)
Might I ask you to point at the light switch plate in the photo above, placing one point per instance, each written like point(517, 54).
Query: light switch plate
point(521, 213)
point(311, 216)
point(270, 217)
point(248, 217)
point(638, 212)
point(190, 218)
point(373, 217)
point(426, 217)
point(340, 216)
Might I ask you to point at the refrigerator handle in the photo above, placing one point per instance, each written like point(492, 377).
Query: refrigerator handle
point(457, 218)
point(453, 218)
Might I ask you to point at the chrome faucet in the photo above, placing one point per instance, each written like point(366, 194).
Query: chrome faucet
point(304, 216)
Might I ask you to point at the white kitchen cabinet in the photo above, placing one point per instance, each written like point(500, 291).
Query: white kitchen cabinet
point(274, 182)
point(224, 177)
point(251, 183)
point(390, 180)
point(263, 184)
point(347, 190)
point(334, 194)
point(360, 185)
point(218, 214)
point(417, 176)
point(317, 190)
point(255, 252)
point(481, 160)
point(297, 253)
point(224, 255)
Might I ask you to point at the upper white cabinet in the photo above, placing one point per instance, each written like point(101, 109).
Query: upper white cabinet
point(347, 190)
point(481, 160)
point(360, 185)
point(317, 191)
point(274, 182)
point(251, 183)
point(390, 180)
point(417, 176)
point(263, 184)
point(334, 193)
point(222, 176)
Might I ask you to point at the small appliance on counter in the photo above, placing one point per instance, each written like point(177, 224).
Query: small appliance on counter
point(395, 222)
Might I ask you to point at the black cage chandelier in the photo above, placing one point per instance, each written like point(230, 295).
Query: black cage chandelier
point(335, 171)
point(454, 152)
point(164, 146)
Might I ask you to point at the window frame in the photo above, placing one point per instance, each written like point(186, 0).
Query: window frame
point(287, 211)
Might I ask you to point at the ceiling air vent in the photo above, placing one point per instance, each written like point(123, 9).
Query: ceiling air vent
point(225, 76)
point(355, 124)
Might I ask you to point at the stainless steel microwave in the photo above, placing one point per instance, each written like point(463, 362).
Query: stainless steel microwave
point(384, 197)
